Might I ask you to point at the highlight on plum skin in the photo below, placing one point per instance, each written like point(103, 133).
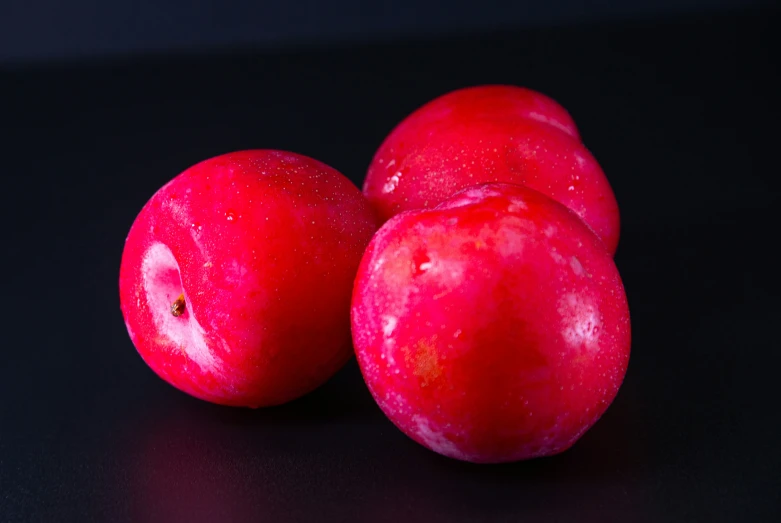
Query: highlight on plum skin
point(236, 276)
point(491, 134)
point(493, 327)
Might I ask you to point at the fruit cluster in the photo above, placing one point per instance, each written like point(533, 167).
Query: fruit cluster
point(486, 313)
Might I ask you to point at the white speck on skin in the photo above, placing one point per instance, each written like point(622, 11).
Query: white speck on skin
point(558, 258)
point(580, 160)
point(517, 205)
point(130, 332)
point(577, 267)
point(392, 183)
point(388, 326)
point(194, 235)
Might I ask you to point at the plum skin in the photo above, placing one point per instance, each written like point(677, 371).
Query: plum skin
point(493, 327)
point(262, 247)
point(489, 134)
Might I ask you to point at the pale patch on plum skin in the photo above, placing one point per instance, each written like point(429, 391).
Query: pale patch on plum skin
point(436, 440)
point(130, 331)
point(183, 331)
point(581, 322)
point(388, 326)
point(577, 267)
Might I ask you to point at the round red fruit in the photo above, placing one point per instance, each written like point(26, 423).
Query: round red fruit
point(235, 278)
point(493, 327)
point(491, 134)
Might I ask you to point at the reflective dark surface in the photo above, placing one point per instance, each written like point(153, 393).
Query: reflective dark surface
point(683, 116)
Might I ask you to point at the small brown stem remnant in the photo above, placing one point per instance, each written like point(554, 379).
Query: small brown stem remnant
point(177, 308)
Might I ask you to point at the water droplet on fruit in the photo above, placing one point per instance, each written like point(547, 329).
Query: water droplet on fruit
point(571, 188)
point(392, 183)
point(230, 216)
point(421, 262)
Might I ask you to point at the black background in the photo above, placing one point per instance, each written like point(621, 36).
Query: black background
point(683, 115)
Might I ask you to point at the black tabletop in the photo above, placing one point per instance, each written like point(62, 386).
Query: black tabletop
point(683, 115)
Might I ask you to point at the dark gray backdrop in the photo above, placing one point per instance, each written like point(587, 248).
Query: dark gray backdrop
point(42, 30)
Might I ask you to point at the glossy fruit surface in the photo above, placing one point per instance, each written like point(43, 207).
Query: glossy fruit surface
point(236, 276)
point(491, 134)
point(493, 327)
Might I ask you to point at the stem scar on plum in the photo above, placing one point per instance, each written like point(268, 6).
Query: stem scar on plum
point(177, 307)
